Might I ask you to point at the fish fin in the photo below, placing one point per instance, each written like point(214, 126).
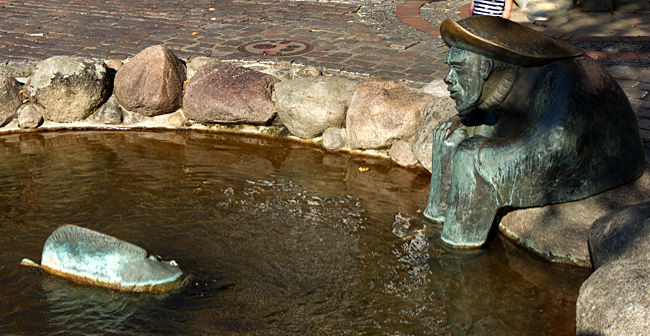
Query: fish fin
point(73, 233)
point(29, 263)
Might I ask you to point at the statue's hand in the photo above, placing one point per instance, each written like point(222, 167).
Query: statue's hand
point(450, 132)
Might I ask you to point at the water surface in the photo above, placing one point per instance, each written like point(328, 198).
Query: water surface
point(282, 238)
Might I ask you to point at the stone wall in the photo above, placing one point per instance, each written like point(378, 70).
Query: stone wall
point(155, 89)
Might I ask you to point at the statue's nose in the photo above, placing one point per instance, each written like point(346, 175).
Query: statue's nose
point(448, 78)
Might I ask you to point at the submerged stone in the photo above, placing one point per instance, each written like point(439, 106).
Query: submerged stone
point(89, 257)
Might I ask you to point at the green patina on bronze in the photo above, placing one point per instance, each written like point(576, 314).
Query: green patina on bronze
point(90, 257)
point(539, 123)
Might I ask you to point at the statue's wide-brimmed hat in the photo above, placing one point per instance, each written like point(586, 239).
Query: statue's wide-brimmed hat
point(505, 40)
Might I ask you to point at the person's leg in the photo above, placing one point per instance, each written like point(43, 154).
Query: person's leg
point(472, 202)
point(445, 139)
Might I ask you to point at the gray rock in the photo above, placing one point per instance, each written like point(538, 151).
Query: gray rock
point(30, 116)
point(279, 73)
point(307, 106)
point(306, 71)
point(615, 300)
point(110, 113)
point(224, 93)
point(197, 63)
point(402, 153)
point(622, 234)
point(382, 112)
point(436, 88)
point(17, 69)
point(10, 99)
point(334, 138)
point(69, 88)
point(177, 119)
point(151, 83)
point(438, 110)
point(559, 232)
point(131, 118)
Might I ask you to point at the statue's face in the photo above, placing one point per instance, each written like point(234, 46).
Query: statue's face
point(465, 78)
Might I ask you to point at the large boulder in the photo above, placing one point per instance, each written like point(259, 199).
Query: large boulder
point(151, 83)
point(619, 243)
point(382, 112)
point(10, 99)
point(225, 93)
point(441, 108)
point(622, 234)
point(69, 88)
point(559, 232)
point(308, 106)
point(615, 300)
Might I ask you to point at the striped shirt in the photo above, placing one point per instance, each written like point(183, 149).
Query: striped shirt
point(488, 7)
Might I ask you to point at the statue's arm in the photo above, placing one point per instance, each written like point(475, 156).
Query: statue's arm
point(548, 143)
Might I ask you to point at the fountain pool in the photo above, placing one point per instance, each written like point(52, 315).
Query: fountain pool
point(281, 238)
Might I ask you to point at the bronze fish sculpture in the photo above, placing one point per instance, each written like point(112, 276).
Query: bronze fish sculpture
point(90, 257)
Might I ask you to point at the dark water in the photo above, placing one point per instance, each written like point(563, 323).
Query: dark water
point(283, 240)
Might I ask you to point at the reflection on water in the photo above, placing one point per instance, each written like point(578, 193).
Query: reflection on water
point(281, 238)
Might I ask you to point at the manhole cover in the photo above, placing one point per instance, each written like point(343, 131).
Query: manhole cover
point(275, 48)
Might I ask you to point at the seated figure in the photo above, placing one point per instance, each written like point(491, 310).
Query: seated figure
point(539, 122)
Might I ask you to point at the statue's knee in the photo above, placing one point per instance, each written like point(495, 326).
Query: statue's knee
point(463, 157)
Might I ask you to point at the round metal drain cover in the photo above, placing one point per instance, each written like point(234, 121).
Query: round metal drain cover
point(275, 48)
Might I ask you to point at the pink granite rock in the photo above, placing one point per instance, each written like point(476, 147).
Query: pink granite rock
point(225, 93)
point(151, 83)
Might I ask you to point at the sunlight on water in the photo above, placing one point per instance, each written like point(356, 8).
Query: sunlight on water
point(281, 239)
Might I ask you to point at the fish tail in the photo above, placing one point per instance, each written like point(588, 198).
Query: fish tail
point(29, 263)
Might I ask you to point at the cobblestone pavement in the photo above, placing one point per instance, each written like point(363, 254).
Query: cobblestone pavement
point(389, 38)
point(343, 38)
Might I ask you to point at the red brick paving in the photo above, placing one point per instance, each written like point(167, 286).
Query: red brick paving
point(118, 27)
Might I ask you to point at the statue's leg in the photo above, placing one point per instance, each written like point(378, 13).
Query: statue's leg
point(445, 139)
point(472, 202)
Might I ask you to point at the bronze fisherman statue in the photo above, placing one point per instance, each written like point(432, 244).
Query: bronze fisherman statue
point(539, 122)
